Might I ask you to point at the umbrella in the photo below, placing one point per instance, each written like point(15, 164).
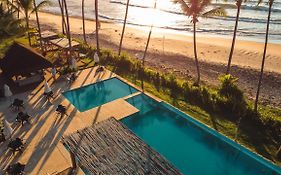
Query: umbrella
point(96, 57)
point(7, 129)
point(7, 91)
point(47, 87)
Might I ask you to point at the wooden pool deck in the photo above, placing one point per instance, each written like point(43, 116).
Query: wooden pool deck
point(109, 147)
point(44, 152)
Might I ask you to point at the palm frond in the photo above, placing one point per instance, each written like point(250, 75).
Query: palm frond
point(14, 7)
point(259, 2)
point(215, 12)
point(184, 6)
point(40, 5)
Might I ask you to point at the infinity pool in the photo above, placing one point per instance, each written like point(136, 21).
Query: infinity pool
point(190, 146)
point(99, 93)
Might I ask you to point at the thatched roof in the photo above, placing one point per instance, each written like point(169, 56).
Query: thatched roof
point(109, 147)
point(20, 59)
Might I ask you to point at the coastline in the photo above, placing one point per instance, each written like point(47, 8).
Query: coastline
point(171, 52)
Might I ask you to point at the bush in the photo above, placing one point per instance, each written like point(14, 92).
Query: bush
point(228, 100)
point(233, 100)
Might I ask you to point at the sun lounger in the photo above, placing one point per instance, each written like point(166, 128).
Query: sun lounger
point(15, 145)
point(16, 169)
point(22, 117)
point(61, 110)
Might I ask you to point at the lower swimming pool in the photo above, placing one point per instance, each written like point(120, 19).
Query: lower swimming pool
point(99, 93)
point(190, 146)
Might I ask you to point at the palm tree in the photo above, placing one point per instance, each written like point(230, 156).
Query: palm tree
point(238, 4)
point(124, 25)
point(62, 16)
point(270, 3)
point(38, 26)
point(67, 27)
point(196, 9)
point(9, 25)
point(26, 7)
point(97, 26)
point(146, 47)
point(83, 20)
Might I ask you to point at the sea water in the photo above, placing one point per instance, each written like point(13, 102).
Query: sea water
point(252, 23)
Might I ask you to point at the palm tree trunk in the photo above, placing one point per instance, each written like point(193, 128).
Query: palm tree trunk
point(238, 4)
point(195, 53)
point(18, 12)
point(97, 26)
point(124, 25)
point(68, 34)
point(27, 28)
point(83, 19)
point(62, 16)
point(145, 51)
point(263, 57)
point(38, 25)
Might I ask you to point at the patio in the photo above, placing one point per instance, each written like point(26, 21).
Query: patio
point(43, 152)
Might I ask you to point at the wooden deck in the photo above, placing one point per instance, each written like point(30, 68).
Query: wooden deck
point(109, 147)
point(44, 152)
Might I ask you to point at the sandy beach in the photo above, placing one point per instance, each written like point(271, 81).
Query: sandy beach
point(172, 52)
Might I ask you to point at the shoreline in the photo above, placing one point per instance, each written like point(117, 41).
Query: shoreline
point(175, 31)
point(174, 54)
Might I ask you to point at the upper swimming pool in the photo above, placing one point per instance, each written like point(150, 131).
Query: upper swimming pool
point(99, 93)
point(191, 146)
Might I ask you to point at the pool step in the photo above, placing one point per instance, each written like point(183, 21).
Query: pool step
point(132, 95)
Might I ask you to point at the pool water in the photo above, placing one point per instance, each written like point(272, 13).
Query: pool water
point(190, 146)
point(99, 93)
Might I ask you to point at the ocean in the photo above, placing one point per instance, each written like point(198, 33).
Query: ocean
point(168, 16)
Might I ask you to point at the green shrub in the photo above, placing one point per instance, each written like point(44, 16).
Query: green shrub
point(227, 101)
point(233, 100)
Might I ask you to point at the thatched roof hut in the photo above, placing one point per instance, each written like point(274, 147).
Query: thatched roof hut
point(21, 60)
point(109, 147)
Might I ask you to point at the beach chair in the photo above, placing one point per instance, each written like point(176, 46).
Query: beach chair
point(61, 110)
point(15, 169)
point(22, 117)
point(16, 145)
point(49, 95)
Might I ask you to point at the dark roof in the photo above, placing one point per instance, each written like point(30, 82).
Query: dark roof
point(109, 147)
point(20, 59)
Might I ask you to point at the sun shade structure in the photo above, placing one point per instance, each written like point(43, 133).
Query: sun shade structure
point(109, 147)
point(20, 60)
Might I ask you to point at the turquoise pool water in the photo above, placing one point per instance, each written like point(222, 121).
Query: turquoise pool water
point(190, 146)
point(99, 93)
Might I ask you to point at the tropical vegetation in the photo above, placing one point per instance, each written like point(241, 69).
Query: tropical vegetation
point(238, 5)
point(196, 9)
point(270, 3)
point(9, 24)
point(225, 108)
point(124, 26)
point(27, 7)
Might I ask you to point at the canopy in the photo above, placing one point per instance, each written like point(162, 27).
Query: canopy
point(20, 60)
point(109, 147)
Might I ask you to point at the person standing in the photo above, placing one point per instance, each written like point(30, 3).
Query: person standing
point(53, 72)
